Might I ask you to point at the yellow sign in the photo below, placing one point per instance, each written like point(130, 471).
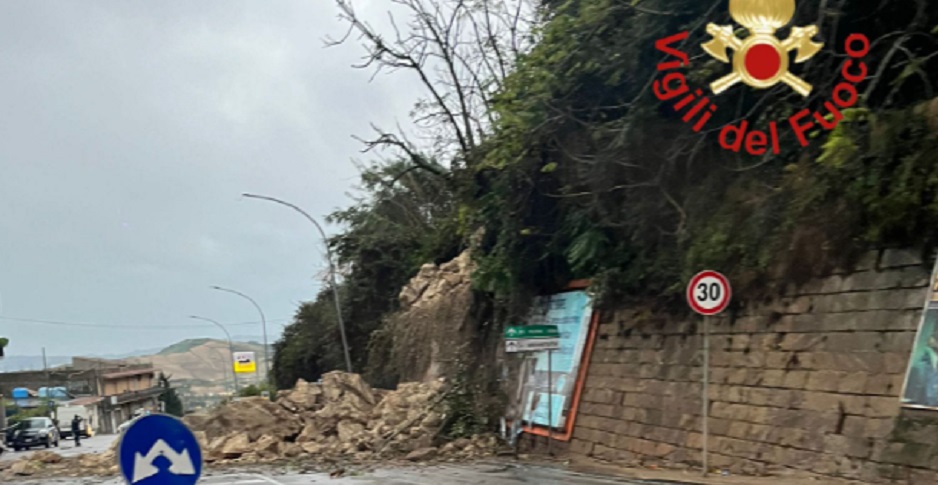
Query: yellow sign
point(761, 59)
point(245, 363)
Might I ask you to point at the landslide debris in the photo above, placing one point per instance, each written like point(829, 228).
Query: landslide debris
point(342, 418)
point(48, 463)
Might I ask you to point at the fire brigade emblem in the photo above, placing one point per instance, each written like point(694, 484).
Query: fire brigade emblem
point(761, 60)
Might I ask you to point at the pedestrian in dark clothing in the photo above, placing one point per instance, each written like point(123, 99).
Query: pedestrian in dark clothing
point(76, 429)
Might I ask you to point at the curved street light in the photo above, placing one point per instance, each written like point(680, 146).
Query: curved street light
point(335, 287)
point(263, 322)
point(230, 363)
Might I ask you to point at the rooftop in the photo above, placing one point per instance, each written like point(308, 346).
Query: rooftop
point(129, 373)
point(85, 401)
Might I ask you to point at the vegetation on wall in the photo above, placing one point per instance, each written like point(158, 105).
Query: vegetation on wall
point(540, 127)
point(606, 182)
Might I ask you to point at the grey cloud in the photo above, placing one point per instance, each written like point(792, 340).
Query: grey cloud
point(129, 129)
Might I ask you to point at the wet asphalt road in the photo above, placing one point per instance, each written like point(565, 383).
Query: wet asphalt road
point(496, 474)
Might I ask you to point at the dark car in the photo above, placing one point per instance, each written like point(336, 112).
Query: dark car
point(35, 432)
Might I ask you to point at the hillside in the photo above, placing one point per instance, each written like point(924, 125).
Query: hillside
point(204, 360)
point(202, 364)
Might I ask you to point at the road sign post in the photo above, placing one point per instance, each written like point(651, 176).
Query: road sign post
point(532, 338)
point(159, 436)
point(708, 293)
point(550, 402)
point(535, 338)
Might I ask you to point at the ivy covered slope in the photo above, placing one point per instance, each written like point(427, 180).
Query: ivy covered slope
point(587, 174)
point(554, 145)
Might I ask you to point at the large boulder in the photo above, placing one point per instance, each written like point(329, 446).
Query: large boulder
point(349, 431)
point(46, 457)
point(310, 432)
point(24, 468)
point(303, 397)
point(236, 446)
point(195, 421)
point(342, 386)
point(253, 417)
point(291, 450)
point(267, 446)
point(422, 454)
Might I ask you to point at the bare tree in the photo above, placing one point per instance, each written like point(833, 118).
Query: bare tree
point(460, 51)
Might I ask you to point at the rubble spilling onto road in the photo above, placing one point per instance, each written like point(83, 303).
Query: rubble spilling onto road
point(49, 463)
point(342, 418)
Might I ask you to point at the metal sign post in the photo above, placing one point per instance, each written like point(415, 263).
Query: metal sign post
point(705, 412)
point(708, 293)
point(550, 402)
point(533, 338)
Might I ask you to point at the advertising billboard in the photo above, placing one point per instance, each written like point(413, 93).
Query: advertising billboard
point(245, 363)
point(921, 381)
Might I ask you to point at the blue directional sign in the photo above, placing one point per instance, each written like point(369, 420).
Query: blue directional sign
point(159, 450)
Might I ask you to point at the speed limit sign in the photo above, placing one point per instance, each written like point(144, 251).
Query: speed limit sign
point(709, 293)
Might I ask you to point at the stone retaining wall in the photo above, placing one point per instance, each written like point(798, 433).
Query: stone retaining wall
point(806, 384)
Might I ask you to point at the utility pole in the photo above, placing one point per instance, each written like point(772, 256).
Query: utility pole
point(230, 363)
point(263, 322)
point(335, 287)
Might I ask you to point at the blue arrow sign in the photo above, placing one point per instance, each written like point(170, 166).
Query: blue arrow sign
point(159, 450)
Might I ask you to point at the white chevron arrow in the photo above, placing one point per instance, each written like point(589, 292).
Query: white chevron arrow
point(180, 463)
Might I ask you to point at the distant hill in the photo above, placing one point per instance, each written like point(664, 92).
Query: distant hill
point(202, 363)
point(184, 346)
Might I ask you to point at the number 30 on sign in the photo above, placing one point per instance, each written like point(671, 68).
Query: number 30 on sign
point(709, 293)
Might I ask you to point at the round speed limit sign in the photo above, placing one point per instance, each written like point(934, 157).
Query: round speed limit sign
point(709, 293)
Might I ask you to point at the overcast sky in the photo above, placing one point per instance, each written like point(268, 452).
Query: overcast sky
point(128, 131)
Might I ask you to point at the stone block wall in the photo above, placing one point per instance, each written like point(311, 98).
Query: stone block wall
point(807, 383)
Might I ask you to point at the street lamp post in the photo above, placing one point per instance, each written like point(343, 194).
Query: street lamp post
point(263, 322)
point(230, 363)
point(335, 287)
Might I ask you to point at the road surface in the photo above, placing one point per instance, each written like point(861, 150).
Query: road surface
point(97, 444)
point(495, 474)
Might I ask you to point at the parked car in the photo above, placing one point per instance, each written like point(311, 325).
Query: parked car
point(35, 432)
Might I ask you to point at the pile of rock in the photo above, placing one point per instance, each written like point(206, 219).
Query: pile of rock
point(47, 463)
point(341, 418)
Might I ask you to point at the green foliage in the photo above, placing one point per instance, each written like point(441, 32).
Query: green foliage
point(254, 390)
point(172, 404)
point(584, 173)
point(43, 411)
point(249, 391)
point(4, 342)
point(587, 174)
point(405, 218)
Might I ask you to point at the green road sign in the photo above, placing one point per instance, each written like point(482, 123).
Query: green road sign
point(528, 332)
point(531, 345)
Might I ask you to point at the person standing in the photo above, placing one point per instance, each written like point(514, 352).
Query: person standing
point(76, 429)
